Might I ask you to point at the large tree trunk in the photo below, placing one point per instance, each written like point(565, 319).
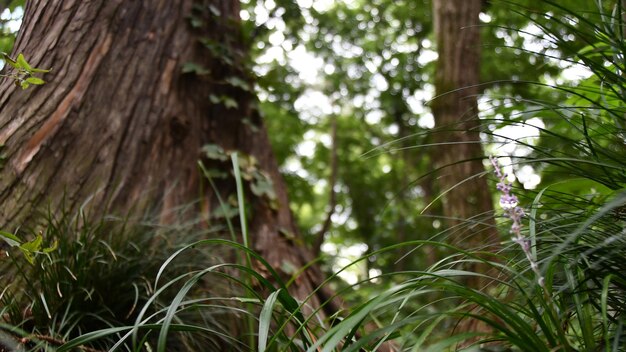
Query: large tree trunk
point(120, 126)
point(456, 116)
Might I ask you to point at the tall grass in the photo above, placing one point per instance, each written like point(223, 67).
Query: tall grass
point(99, 276)
point(572, 237)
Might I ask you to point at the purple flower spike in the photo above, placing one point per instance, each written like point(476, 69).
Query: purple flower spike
point(509, 204)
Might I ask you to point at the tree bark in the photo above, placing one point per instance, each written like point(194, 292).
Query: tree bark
point(467, 203)
point(120, 125)
point(456, 116)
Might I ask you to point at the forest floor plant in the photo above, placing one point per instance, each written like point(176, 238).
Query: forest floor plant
point(559, 282)
point(96, 275)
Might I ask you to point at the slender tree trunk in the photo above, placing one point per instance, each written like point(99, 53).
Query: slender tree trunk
point(456, 115)
point(467, 202)
point(137, 89)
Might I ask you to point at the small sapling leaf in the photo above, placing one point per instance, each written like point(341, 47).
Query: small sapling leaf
point(35, 80)
point(23, 63)
point(9, 61)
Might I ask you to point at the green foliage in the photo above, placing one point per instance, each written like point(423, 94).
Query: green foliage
point(575, 224)
point(248, 170)
point(29, 249)
point(377, 73)
point(98, 276)
point(23, 72)
point(7, 30)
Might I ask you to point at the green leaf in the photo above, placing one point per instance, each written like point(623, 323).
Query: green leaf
point(225, 211)
point(603, 305)
point(21, 61)
point(234, 157)
point(229, 102)
point(215, 152)
point(214, 99)
point(10, 61)
point(34, 245)
point(265, 319)
point(190, 67)
point(216, 174)
point(24, 84)
point(52, 248)
point(35, 80)
point(288, 268)
point(532, 224)
point(214, 10)
point(262, 186)
point(10, 238)
point(39, 70)
point(238, 83)
point(30, 257)
point(196, 22)
point(246, 300)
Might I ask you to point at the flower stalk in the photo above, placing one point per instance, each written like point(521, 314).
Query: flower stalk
point(509, 204)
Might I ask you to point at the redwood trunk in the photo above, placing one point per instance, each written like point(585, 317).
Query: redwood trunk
point(456, 116)
point(119, 127)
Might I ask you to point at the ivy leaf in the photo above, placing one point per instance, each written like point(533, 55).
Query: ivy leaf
point(216, 174)
point(196, 22)
point(214, 99)
point(215, 152)
point(229, 102)
point(238, 82)
point(262, 186)
point(190, 67)
point(214, 10)
point(226, 211)
point(288, 268)
point(247, 166)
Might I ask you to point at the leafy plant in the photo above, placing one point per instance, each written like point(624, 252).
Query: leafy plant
point(98, 276)
point(29, 249)
point(23, 73)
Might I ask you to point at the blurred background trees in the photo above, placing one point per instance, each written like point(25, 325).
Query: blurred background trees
point(371, 67)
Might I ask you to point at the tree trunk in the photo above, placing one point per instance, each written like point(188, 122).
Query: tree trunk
point(456, 115)
point(467, 202)
point(137, 89)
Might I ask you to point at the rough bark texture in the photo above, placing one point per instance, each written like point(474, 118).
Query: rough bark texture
point(119, 126)
point(456, 116)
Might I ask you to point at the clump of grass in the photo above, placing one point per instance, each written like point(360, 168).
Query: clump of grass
point(99, 276)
